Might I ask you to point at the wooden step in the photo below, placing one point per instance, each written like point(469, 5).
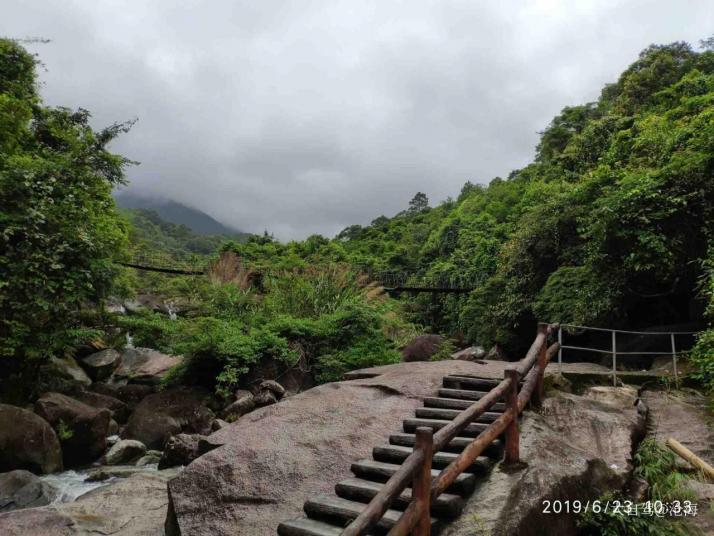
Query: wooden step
point(494, 450)
point(453, 403)
point(342, 511)
point(447, 505)
point(472, 430)
point(461, 394)
point(451, 414)
point(308, 527)
point(380, 472)
point(397, 454)
point(470, 384)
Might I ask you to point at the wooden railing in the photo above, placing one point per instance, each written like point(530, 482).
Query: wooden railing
point(416, 469)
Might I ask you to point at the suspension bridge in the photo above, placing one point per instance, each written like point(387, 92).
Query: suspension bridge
point(392, 280)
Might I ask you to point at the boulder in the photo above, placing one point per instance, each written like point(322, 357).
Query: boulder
point(265, 398)
point(68, 369)
point(131, 394)
point(472, 353)
point(244, 402)
point(273, 386)
point(575, 448)
point(217, 424)
point(496, 353)
point(100, 365)
point(21, 489)
point(27, 442)
point(112, 430)
point(274, 458)
point(151, 457)
point(180, 449)
point(118, 409)
point(422, 348)
point(85, 428)
point(144, 366)
point(132, 506)
point(171, 412)
point(124, 451)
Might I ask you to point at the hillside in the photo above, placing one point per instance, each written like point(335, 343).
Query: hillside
point(177, 213)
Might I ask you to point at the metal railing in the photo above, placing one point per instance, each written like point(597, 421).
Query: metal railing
point(416, 469)
point(613, 351)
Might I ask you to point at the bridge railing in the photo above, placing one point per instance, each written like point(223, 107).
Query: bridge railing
point(668, 336)
point(416, 469)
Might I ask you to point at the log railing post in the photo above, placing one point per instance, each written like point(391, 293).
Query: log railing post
point(537, 398)
point(512, 454)
point(421, 487)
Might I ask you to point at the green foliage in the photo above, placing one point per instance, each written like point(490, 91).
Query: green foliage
point(64, 431)
point(59, 231)
point(702, 355)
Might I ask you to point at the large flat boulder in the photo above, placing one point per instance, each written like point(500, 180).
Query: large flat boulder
point(574, 448)
point(27, 441)
point(143, 365)
point(100, 365)
point(162, 415)
point(85, 428)
point(274, 458)
point(133, 506)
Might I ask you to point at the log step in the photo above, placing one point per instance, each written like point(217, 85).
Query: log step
point(451, 414)
point(472, 430)
point(453, 403)
point(494, 450)
point(307, 527)
point(446, 505)
point(342, 511)
point(380, 472)
point(462, 394)
point(397, 454)
point(470, 384)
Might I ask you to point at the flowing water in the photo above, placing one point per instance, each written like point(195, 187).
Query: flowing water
point(71, 485)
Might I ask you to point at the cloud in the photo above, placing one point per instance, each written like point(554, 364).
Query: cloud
point(306, 117)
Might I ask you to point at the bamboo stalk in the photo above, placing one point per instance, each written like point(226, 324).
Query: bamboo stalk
point(696, 462)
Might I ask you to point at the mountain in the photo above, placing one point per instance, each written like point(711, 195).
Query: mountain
point(179, 214)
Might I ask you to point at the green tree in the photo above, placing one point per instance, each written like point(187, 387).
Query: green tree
point(59, 230)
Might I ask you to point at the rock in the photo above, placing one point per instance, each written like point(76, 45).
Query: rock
point(217, 424)
point(265, 398)
point(68, 369)
point(622, 397)
point(274, 458)
point(245, 402)
point(21, 489)
point(472, 353)
point(112, 429)
point(124, 451)
point(87, 427)
point(144, 366)
point(112, 439)
point(114, 306)
point(422, 348)
point(100, 365)
point(171, 412)
point(180, 449)
point(27, 442)
point(558, 382)
point(496, 353)
point(271, 385)
point(133, 506)
point(637, 489)
point(151, 457)
point(118, 409)
point(575, 448)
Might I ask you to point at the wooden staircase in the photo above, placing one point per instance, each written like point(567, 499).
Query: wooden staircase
point(327, 515)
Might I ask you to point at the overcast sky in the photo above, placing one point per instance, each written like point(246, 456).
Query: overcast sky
point(307, 116)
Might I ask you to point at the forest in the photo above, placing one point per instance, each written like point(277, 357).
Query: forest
point(610, 225)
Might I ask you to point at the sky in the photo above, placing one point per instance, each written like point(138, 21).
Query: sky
point(305, 116)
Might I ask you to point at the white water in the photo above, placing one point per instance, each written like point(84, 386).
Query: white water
point(129, 341)
point(71, 485)
point(170, 309)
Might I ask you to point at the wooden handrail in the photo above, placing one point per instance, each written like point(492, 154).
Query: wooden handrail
point(416, 468)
